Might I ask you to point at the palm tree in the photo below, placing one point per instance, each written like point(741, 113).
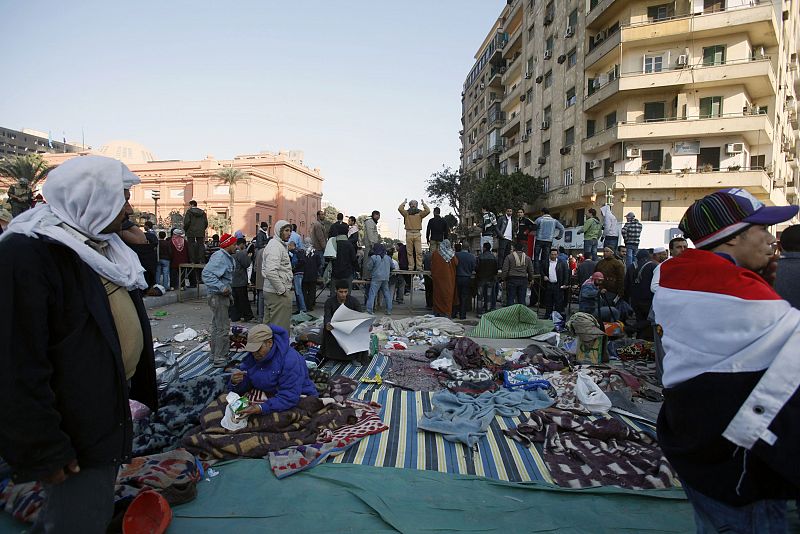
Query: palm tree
point(30, 167)
point(230, 176)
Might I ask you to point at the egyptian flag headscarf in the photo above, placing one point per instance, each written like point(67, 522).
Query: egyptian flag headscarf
point(84, 195)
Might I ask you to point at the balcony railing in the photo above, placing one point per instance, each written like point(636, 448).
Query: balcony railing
point(678, 119)
point(751, 5)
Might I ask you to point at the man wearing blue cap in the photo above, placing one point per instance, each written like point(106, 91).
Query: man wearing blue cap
point(731, 372)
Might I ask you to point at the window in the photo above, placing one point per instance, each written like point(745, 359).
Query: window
point(710, 107)
point(653, 64)
point(571, 99)
point(654, 111)
point(528, 158)
point(713, 6)
point(652, 160)
point(546, 184)
point(590, 128)
point(529, 95)
point(651, 210)
point(176, 193)
point(713, 55)
point(569, 176)
point(573, 18)
point(572, 58)
point(529, 126)
point(569, 136)
point(611, 119)
point(660, 12)
point(529, 65)
point(548, 79)
point(548, 44)
point(546, 149)
point(504, 167)
point(221, 190)
point(547, 113)
point(758, 162)
point(580, 216)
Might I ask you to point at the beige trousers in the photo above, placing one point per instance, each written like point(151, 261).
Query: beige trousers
point(278, 310)
point(414, 249)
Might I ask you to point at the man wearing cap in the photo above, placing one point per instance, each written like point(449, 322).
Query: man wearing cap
point(631, 233)
point(737, 456)
point(273, 367)
point(218, 277)
point(76, 343)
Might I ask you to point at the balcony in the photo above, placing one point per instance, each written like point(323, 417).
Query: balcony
point(513, 70)
point(568, 195)
point(758, 76)
point(496, 77)
point(497, 148)
point(514, 43)
point(759, 22)
point(512, 125)
point(496, 120)
point(601, 12)
point(512, 95)
point(511, 150)
point(755, 129)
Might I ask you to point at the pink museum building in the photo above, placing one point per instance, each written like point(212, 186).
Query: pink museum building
point(275, 186)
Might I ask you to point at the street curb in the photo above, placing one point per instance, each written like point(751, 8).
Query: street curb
point(189, 294)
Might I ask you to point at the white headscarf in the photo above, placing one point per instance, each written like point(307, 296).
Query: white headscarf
point(86, 193)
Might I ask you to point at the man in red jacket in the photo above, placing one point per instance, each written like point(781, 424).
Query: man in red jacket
point(731, 372)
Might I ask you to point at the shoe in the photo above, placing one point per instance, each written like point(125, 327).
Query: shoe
point(220, 365)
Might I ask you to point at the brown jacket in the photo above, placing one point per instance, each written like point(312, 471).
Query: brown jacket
point(414, 222)
point(318, 236)
point(614, 272)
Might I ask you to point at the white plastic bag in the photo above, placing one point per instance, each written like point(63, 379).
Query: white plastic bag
point(591, 396)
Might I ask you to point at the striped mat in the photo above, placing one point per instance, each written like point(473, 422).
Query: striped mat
point(196, 362)
point(402, 446)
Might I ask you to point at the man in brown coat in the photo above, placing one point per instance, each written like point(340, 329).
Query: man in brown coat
point(614, 272)
point(319, 237)
point(412, 217)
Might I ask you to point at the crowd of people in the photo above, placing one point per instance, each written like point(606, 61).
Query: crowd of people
point(78, 345)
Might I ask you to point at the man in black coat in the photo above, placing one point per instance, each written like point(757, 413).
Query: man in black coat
point(76, 343)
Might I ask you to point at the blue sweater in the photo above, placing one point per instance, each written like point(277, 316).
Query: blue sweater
point(381, 267)
point(282, 373)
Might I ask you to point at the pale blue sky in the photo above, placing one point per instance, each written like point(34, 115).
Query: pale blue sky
point(369, 90)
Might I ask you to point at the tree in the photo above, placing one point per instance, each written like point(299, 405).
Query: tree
point(362, 231)
point(329, 218)
point(30, 167)
point(451, 187)
point(220, 223)
point(230, 176)
point(499, 191)
point(451, 220)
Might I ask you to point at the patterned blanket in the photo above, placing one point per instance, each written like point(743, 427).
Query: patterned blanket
point(292, 460)
point(581, 453)
point(511, 322)
point(268, 432)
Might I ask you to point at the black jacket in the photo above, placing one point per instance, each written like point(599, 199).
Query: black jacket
point(522, 227)
point(437, 229)
point(562, 272)
point(344, 265)
point(502, 223)
point(62, 380)
point(486, 268)
point(311, 267)
point(338, 228)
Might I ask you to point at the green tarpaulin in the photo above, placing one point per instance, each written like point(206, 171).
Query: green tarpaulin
point(511, 322)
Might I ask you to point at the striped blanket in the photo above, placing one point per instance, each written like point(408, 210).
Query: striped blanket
point(511, 322)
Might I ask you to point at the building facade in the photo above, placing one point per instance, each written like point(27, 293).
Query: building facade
point(648, 103)
point(25, 141)
point(274, 187)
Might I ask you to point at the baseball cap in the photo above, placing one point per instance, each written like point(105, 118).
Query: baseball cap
point(723, 214)
point(630, 215)
point(256, 336)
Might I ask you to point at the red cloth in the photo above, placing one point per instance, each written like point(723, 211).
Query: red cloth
point(180, 254)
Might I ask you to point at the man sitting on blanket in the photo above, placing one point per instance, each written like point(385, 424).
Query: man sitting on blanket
point(272, 368)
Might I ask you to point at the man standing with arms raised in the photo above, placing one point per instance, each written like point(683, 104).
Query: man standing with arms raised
point(412, 218)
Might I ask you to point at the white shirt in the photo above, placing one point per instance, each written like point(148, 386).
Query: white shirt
point(551, 274)
point(507, 233)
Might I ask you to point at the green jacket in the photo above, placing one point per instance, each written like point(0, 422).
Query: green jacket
point(195, 222)
point(592, 228)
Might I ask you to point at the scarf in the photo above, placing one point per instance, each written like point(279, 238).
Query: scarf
point(178, 242)
point(446, 250)
point(84, 195)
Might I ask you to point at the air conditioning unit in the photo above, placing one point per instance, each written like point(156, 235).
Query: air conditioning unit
point(596, 83)
point(502, 70)
point(683, 60)
point(599, 37)
point(545, 125)
point(548, 54)
point(522, 98)
point(632, 152)
point(786, 146)
point(528, 131)
point(761, 52)
point(570, 31)
point(542, 160)
point(595, 164)
point(524, 137)
point(561, 59)
point(463, 93)
point(548, 20)
point(780, 181)
point(483, 120)
point(483, 86)
point(539, 78)
point(565, 150)
point(734, 148)
point(527, 75)
point(461, 132)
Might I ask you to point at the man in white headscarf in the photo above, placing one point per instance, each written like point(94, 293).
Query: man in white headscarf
point(76, 343)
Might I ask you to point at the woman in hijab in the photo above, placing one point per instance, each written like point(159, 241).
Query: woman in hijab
point(180, 254)
point(443, 272)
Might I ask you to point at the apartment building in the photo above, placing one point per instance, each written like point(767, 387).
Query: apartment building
point(648, 103)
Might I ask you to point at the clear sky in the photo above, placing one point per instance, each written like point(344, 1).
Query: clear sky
point(370, 91)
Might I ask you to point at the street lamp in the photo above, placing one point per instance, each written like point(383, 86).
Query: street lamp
point(609, 192)
point(155, 195)
point(398, 228)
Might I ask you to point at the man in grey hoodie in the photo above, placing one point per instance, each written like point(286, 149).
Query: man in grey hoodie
point(277, 270)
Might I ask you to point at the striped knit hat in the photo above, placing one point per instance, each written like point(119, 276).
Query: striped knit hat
point(721, 215)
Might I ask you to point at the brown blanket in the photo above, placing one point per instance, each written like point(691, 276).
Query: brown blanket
point(264, 433)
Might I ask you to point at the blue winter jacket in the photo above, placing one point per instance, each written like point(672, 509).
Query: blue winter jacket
point(381, 267)
point(282, 373)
